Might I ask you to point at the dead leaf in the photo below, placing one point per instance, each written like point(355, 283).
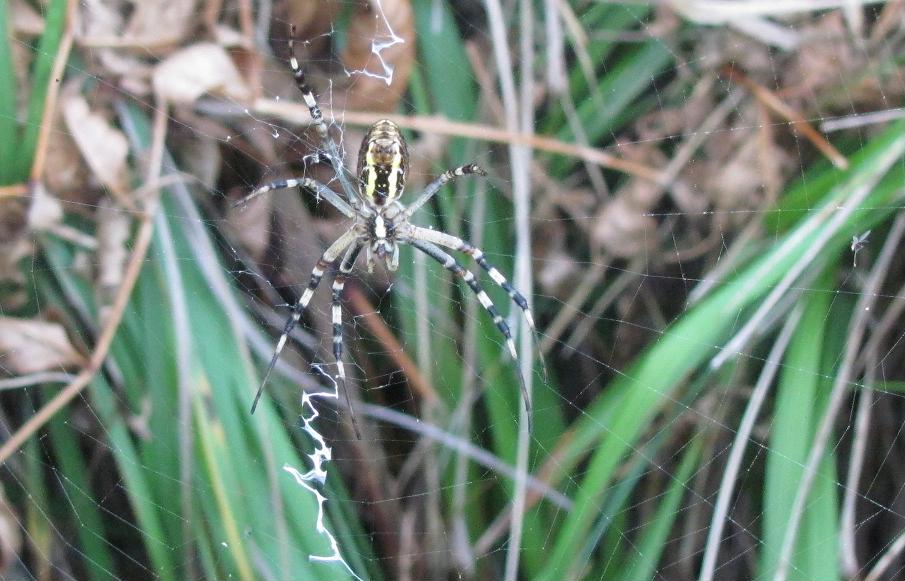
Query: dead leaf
point(30, 346)
point(104, 147)
point(201, 68)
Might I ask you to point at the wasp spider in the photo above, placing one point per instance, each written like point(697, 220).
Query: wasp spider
point(379, 224)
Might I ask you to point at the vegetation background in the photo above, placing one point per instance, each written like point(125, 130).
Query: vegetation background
point(702, 197)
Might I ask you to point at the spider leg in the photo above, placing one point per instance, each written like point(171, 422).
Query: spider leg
point(452, 265)
point(298, 73)
point(440, 181)
point(317, 273)
point(319, 189)
point(456, 243)
point(339, 283)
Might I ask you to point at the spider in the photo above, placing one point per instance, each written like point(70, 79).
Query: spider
point(379, 224)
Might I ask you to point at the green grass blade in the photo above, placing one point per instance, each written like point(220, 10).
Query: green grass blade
point(7, 100)
point(650, 382)
point(646, 551)
point(74, 482)
point(796, 414)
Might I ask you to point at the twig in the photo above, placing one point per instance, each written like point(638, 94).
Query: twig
point(14, 191)
point(298, 113)
point(771, 100)
point(53, 91)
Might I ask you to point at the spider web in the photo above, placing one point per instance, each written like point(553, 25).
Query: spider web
point(724, 393)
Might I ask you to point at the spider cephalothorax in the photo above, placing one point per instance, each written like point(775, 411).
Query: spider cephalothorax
point(380, 223)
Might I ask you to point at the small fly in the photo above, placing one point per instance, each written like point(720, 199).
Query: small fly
point(858, 242)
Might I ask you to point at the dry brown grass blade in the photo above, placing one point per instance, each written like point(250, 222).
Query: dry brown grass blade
point(53, 92)
point(14, 191)
point(298, 113)
point(770, 100)
point(366, 311)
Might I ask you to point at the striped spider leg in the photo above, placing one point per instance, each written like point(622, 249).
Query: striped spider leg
point(451, 264)
point(304, 184)
point(339, 283)
point(329, 145)
point(459, 245)
point(326, 261)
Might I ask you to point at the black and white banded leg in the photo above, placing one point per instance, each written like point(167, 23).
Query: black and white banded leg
point(456, 243)
point(332, 150)
point(432, 188)
point(452, 265)
point(339, 283)
point(319, 190)
point(317, 273)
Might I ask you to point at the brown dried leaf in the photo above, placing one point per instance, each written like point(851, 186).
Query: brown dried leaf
point(104, 148)
point(196, 70)
point(30, 346)
point(381, 46)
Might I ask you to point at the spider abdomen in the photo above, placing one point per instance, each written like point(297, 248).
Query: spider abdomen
point(382, 163)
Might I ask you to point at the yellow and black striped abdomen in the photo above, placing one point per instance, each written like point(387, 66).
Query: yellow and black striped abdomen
point(382, 163)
